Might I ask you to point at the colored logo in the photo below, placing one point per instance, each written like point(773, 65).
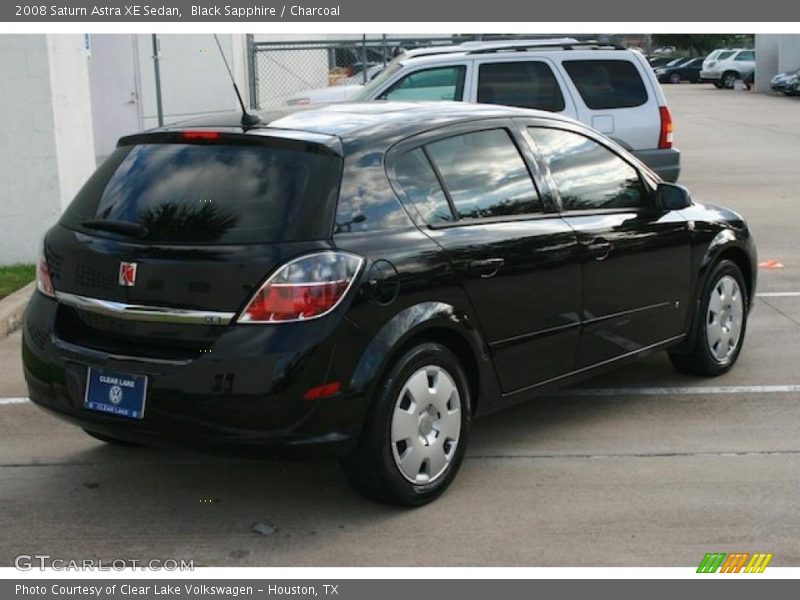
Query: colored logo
point(127, 274)
point(737, 562)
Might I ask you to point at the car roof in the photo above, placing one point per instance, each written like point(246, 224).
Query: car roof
point(355, 122)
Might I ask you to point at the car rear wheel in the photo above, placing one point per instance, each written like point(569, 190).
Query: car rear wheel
point(674, 78)
point(111, 440)
point(720, 325)
point(416, 433)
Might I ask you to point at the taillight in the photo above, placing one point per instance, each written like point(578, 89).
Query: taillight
point(305, 288)
point(665, 138)
point(43, 282)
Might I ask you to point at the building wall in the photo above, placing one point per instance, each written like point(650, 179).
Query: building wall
point(775, 53)
point(46, 148)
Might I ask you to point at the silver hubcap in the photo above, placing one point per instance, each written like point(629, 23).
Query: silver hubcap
point(426, 423)
point(724, 318)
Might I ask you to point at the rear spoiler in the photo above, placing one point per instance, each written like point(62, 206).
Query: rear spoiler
point(301, 141)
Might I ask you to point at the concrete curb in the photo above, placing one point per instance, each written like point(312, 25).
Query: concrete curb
point(12, 308)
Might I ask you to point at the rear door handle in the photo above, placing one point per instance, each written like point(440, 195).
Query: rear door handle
point(600, 248)
point(486, 268)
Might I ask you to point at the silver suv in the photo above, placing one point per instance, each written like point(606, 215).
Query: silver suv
point(724, 66)
point(610, 88)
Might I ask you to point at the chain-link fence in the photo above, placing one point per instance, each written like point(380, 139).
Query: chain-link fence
point(281, 71)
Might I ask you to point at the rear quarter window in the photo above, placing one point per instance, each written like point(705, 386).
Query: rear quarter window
point(212, 193)
point(605, 84)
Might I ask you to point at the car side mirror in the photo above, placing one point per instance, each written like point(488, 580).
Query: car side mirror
point(670, 196)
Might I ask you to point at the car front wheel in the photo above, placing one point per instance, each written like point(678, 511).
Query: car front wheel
point(720, 325)
point(416, 434)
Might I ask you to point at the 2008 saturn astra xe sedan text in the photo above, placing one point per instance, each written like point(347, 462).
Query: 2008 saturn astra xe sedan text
point(363, 280)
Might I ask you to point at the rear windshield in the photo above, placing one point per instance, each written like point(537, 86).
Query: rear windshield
point(210, 193)
point(605, 84)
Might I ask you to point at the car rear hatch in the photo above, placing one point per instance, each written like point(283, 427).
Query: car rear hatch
point(175, 231)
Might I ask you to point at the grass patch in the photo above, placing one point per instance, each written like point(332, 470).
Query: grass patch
point(14, 277)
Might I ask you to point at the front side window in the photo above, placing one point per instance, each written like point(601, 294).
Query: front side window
point(605, 84)
point(442, 83)
point(485, 175)
point(725, 55)
point(422, 189)
point(588, 176)
point(529, 84)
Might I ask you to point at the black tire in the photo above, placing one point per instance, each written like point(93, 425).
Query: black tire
point(111, 440)
point(372, 470)
point(728, 79)
point(674, 78)
point(718, 85)
point(698, 359)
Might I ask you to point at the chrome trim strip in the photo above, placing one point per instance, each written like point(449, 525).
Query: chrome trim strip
point(137, 312)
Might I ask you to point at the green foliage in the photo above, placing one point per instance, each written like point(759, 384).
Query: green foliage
point(703, 43)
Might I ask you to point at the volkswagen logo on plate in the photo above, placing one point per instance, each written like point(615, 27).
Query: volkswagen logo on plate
point(115, 395)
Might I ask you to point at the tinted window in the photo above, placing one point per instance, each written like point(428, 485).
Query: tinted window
point(588, 175)
point(212, 193)
point(485, 175)
point(444, 83)
point(607, 83)
point(747, 55)
point(523, 84)
point(724, 55)
point(422, 189)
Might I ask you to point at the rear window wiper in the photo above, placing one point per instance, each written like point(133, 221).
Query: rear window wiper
point(123, 227)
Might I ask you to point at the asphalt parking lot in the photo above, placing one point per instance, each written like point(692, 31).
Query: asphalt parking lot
point(642, 467)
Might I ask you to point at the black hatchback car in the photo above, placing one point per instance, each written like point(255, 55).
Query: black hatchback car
point(363, 280)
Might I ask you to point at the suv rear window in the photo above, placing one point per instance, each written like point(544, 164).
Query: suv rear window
point(211, 193)
point(529, 84)
point(607, 84)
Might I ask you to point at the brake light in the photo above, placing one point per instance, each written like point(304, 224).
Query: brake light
point(305, 288)
point(43, 282)
point(665, 138)
point(200, 135)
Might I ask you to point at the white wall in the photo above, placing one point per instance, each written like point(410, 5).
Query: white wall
point(767, 46)
point(46, 147)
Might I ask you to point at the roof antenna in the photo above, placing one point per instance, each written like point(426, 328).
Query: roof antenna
point(249, 120)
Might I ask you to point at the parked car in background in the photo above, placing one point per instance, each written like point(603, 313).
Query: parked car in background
point(404, 268)
point(659, 61)
point(609, 88)
point(686, 70)
point(780, 81)
point(793, 85)
point(726, 66)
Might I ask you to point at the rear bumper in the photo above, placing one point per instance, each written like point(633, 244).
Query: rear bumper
point(665, 162)
point(244, 394)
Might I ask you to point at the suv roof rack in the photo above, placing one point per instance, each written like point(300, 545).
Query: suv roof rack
point(471, 47)
point(524, 47)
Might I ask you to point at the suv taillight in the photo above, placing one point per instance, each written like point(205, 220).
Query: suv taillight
point(305, 288)
point(665, 138)
point(43, 282)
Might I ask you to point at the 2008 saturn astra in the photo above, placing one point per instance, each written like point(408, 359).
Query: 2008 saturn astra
point(363, 280)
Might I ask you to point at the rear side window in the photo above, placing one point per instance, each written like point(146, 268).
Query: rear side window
point(746, 56)
point(418, 180)
point(442, 83)
point(485, 175)
point(588, 175)
point(524, 84)
point(605, 84)
point(212, 193)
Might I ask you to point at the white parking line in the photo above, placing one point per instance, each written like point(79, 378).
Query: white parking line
point(683, 391)
point(9, 401)
point(778, 295)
